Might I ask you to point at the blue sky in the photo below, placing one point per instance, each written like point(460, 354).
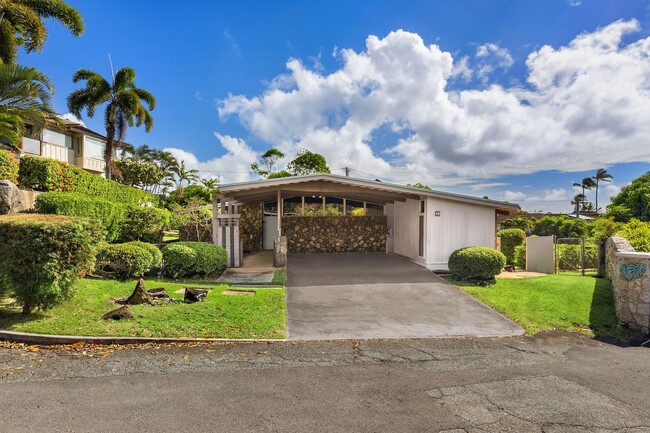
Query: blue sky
point(220, 73)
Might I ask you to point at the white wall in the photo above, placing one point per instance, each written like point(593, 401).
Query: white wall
point(405, 228)
point(459, 225)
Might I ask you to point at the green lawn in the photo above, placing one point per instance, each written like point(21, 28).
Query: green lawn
point(573, 303)
point(223, 316)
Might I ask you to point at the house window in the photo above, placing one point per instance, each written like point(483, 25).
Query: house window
point(94, 148)
point(57, 139)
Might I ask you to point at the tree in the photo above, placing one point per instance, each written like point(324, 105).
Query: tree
point(577, 202)
point(124, 105)
point(307, 162)
point(419, 185)
point(211, 184)
point(268, 160)
point(278, 174)
point(601, 176)
point(635, 197)
point(25, 96)
point(586, 184)
point(618, 213)
point(184, 175)
point(21, 24)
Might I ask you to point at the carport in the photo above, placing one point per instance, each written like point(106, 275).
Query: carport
point(349, 296)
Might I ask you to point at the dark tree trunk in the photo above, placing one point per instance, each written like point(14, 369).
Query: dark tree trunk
point(27, 309)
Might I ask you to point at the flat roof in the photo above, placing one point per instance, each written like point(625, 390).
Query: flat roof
point(391, 188)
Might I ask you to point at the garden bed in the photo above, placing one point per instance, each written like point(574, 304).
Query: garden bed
point(219, 316)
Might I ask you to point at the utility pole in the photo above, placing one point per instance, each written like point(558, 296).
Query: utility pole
point(347, 171)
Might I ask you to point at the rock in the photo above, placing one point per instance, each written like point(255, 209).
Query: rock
point(11, 199)
point(158, 293)
point(192, 294)
point(124, 312)
point(139, 295)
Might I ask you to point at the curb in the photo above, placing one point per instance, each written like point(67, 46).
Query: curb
point(51, 340)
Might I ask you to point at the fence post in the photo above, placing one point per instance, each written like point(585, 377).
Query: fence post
point(582, 254)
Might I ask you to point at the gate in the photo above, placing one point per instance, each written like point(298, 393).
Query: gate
point(577, 256)
point(540, 254)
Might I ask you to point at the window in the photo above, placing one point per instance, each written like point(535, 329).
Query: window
point(57, 138)
point(94, 148)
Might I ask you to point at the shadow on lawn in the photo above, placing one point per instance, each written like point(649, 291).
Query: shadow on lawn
point(603, 321)
point(10, 314)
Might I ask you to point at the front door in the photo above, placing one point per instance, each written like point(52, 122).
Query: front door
point(269, 232)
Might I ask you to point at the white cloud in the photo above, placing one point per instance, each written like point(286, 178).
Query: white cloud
point(492, 56)
point(234, 46)
point(574, 3)
point(514, 196)
point(584, 106)
point(486, 185)
point(198, 95)
point(233, 166)
point(71, 117)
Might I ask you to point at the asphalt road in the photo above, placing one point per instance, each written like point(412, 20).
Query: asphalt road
point(554, 382)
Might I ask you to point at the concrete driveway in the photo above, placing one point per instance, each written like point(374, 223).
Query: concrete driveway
point(349, 296)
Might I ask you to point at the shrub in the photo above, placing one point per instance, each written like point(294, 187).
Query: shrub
point(108, 215)
point(637, 234)
point(124, 260)
point(43, 256)
point(560, 226)
point(8, 167)
point(520, 256)
point(152, 249)
point(193, 258)
point(569, 256)
point(144, 224)
point(44, 174)
point(196, 193)
point(510, 239)
point(476, 263)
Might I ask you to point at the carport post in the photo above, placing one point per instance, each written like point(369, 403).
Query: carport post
point(279, 213)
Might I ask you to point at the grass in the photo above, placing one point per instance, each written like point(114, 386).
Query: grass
point(222, 316)
point(572, 303)
point(279, 277)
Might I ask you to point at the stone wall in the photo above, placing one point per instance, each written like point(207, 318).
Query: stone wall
point(628, 271)
point(335, 234)
point(250, 226)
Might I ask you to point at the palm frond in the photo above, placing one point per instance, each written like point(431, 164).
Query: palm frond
point(59, 10)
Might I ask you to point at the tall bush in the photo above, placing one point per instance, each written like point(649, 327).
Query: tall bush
point(108, 215)
point(510, 239)
point(8, 167)
point(43, 256)
point(44, 174)
point(637, 234)
point(144, 224)
point(476, 263)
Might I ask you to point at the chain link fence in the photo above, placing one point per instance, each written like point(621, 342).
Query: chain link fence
point(577, 256)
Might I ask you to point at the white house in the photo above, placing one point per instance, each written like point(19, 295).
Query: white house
point(325, 213)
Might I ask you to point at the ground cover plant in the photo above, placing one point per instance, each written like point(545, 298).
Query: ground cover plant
point(572, 303)
point(219, 315)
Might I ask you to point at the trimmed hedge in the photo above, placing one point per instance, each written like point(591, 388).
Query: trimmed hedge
point(119, 222)
point(8, 167)
point(144, 224)
point(520, 256)
point(108, 215)
point(124, 261)
point(43, 256)
point(510, 239)
point(476, 263)
point(152, 249)
point(44, 174)
point(193, 258)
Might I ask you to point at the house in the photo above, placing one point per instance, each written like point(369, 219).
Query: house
point(76, 145)
point(326, 213)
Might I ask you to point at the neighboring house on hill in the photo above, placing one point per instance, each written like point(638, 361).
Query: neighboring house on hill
point(326, 213)
point(76, 145)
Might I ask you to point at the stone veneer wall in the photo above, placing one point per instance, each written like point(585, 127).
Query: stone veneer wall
point(250, 226)
point(629, 273)
point(335, 234)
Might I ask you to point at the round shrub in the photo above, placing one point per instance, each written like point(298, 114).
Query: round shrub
point(152, 249)
point(510, 239)
point(476, 263)
point(43, 256)
point(8, 167)
point(124, 261)
point(193, 258)
point(144, 224)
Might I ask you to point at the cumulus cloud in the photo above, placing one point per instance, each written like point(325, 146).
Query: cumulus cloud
point(233, 166)
point(491, 56)
point(584, 105)
point(71, 117)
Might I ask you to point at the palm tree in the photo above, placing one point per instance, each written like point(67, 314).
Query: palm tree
point(25, 97)
point(587, 184)
point(210, 183)
point(601, 176)
point(183, 174)
point(124, 105)
point(21, 24)
point(577, 201)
